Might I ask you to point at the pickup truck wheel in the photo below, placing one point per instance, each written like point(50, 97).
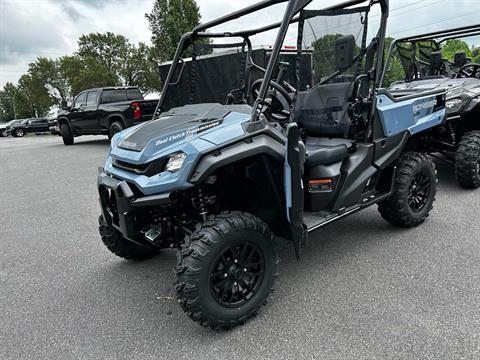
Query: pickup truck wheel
point(118, 245)
point(67, 135)
point(467, 160)
point(19, 133)
point(414, 191)
point(115, 127)
point(225, 270)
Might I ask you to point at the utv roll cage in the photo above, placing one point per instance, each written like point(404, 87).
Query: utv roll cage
point(436, 37)
point(291, 15)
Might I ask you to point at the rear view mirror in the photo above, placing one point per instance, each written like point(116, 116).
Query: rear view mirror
point(64, 105)
point(344, 51)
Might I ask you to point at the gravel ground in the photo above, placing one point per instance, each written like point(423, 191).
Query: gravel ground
point(364, 289)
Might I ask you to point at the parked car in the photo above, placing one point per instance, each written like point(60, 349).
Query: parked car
point(3, 127)
point(104, 111)
point(26, 126)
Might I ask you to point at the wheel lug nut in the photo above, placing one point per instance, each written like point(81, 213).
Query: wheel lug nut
point(225, 275)
point(235, 283)
point(235, 261)
point(244, 269)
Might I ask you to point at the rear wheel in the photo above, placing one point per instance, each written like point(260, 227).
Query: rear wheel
point(67, 135)
point(115, 127)
point(226, 270)
point(414, 191)
point(467, 160)
point(118, 245)
point(19, 133)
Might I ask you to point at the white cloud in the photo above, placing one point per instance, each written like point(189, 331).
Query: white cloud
point(32, 28)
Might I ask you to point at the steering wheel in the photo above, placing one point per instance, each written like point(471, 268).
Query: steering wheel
point(475, 68)
point(278, 102)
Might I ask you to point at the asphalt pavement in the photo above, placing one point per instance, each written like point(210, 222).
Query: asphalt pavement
point(363, 290)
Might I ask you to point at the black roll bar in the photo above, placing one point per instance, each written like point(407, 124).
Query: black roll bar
point(293, 7)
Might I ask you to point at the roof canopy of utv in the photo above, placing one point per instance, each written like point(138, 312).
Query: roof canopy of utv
point(314, 57)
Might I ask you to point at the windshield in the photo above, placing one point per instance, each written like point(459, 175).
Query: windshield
point(319, 33)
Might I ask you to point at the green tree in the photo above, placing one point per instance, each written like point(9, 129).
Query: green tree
point(453, 46)
point(7, 102)
point(111, 60)
point(48, 73)
point(32, 98)
point(169, 20)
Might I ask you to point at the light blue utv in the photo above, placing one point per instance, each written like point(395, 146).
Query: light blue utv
point(218, 176)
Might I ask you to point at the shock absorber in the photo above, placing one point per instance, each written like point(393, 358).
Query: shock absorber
point(452, 133)
point(202, 205)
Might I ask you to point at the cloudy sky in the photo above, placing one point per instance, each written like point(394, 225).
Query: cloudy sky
point(50, 28)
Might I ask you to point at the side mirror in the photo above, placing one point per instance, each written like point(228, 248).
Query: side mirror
point(344, 52)
point(64, 105)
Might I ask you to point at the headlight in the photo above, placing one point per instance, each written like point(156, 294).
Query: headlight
point(175, 162)
point(453, 103)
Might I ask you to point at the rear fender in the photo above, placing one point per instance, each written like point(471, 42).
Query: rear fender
point(116, 118)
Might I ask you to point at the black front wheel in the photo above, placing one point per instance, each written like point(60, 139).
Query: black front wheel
point(226, 270)
point(467, 160)
point(67, 135)
point(414, 191)
point(19, 133)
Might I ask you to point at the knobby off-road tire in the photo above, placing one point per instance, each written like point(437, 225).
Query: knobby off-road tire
point(414, 191)
point(225, 270)
point(115, 127)
point(67, 135)
point(118, 245)
point(467, 160)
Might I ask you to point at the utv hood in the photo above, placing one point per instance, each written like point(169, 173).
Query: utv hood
point(139, 154)
point(462, 94)
point(453, 87)
point(184, 124)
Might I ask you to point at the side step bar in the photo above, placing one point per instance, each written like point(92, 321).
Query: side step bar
point(315, 221)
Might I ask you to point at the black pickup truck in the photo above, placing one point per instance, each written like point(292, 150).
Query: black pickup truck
point(103, 111)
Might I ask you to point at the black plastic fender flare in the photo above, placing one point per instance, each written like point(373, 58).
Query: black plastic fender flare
point(246, 148)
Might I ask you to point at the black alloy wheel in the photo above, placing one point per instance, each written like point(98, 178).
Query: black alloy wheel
point(237, 274)
point(419, 191)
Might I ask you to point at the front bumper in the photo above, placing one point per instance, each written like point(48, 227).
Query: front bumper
point(119, 204)
point(54, 130)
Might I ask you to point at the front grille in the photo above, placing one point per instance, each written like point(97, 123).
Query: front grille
point(148, 169)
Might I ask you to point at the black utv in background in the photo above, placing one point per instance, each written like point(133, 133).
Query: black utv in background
point(103, 111)
point(425, 68)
